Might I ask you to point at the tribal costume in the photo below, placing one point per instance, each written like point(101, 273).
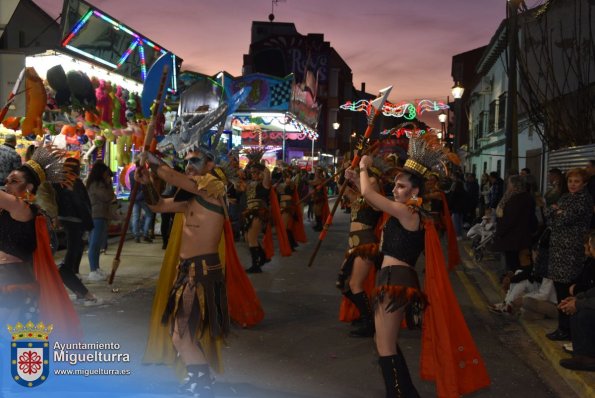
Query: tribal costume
point(198, 298)
point(19, 289)
point(289, 207)
point(363, 243)
point(449, 354)
point(32, 288)
point(257, 204)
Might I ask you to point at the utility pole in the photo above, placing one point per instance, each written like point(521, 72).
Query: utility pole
point(511, 146)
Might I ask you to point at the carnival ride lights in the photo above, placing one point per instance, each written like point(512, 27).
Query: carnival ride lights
point(287, 119)
point(405, 110)
point(137, 41)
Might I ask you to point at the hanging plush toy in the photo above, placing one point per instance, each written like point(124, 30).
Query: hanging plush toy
point(83, 94)
point(121, 96)
point(35, 98)
point(123, 147)
point(56, 78)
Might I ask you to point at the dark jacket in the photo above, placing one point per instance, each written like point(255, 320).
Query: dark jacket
point(515, 228)
point(74, 205)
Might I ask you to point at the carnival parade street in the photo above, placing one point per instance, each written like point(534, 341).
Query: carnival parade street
point(300, 349)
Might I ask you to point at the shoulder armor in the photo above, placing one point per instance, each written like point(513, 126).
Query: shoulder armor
point(214, 186)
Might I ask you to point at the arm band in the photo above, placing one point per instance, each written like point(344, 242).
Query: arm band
point(151, 195)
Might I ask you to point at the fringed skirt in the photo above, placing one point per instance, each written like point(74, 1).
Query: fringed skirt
point(396, 287)
point(250, 214)
point(362, 244)
point(198, 299)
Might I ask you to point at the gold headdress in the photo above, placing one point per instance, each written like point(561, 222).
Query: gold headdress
point(46, 166)
point(427, 155)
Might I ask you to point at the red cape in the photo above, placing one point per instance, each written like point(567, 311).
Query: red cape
point(55, 306)
point(449, 355)
point(244, 306)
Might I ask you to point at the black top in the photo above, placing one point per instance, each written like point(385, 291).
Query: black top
point(17, 238)
point(285, 189)
point(363, 213)
point(257, 191)
point(400, 243)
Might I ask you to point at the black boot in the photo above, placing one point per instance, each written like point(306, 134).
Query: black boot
point(367, 320)
point(318, 226)
point(397, 379)
point(255, 268)
point(198, 382)
point(262, 256)
point(291, 238)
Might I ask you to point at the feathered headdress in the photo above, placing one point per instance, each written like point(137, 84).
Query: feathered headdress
point(46, 165)
point(426, 155)
point(254, 155)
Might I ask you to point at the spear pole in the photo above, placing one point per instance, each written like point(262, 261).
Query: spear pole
point(376, 110)
point(146, 147)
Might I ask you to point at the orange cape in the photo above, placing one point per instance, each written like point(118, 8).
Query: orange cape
point(284, 246)
point(55, 306)
point(449, 355)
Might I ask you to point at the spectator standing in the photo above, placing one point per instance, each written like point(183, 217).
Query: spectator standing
point(556, 186)
point(457, 204)
point(101, 195)
point(570, 219)
point(74, 215)
point(484, 186)
point(496, 190)
point(139, 207)
point(472, 194)
point(9, 158)
point(515, 225)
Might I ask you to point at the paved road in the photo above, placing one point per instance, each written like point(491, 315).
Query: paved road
point(300, 350)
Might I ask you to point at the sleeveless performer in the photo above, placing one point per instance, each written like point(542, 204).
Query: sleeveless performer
point(446, 341)
point(361, 257)
point(257, 214)
point(198, 299)
point(286, 189)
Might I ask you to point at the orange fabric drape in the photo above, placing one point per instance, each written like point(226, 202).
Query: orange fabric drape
point(449, 355)
point(284, 246)
point(55, 306)
point(297, 227)
point(454, 257)
point(244, 306)
point(267, 242)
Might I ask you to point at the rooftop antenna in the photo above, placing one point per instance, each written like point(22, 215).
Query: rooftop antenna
point(273, 4)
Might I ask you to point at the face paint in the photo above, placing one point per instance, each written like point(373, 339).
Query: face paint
point(196, 162)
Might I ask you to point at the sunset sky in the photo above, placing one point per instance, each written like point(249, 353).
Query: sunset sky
point(405, 43)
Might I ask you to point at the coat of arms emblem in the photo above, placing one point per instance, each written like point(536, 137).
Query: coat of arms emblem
point(29, 353)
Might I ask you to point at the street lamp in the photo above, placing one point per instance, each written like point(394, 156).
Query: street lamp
point(442, 118)
point(457, 93)
point(336, 126)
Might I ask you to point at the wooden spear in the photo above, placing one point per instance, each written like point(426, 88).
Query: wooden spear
point(146, 147)
point(376, 110)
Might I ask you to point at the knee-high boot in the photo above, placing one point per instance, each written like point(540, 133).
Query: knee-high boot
point(397, 379)
point(367, 318)
point(318, 226)
point(291, 238)
point(198, 382)
point(255, 268)
point(262, 256)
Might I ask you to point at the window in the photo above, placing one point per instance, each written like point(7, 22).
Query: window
point(501, 111)
point(485, 167)
point(482, 123)
point(492, 116)
point(499, 167)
